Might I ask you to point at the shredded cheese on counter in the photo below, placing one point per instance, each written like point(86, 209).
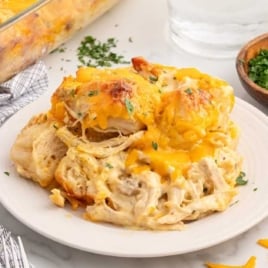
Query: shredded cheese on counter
point(251, 263)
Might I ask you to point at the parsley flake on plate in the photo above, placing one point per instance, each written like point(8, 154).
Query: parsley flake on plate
point(240, 179)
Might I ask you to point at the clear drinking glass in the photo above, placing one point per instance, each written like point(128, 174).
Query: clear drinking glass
point(216, 28)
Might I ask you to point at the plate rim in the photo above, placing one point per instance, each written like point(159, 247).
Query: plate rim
point(259, 115)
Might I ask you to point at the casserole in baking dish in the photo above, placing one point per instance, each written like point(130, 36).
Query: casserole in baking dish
point(32, 31)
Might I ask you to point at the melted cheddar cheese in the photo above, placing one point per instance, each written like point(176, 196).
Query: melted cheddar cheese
point(96, 96)
point(148, 145)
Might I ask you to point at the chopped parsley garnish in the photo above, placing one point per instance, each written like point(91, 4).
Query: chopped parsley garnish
point(235, 202)
point(94, 53)
point(258, 69)
point(255, 189)
point(153, 79)
point(72, 92)
point(154, 145)
point(108, 165)
point(60, 49)
point(188, 91)
point(129, 106)
point(56, 127)
point(79, 114)
point(7, 173)
point(92, 93)
point(240, 179)
point(130, 40)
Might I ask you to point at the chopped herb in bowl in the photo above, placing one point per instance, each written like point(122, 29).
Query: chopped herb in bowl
point(258, 69)
point(252, 68)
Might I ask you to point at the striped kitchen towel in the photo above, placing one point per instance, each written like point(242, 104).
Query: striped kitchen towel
point(22, 89)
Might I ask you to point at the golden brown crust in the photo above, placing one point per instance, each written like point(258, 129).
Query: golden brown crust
point(39, 33)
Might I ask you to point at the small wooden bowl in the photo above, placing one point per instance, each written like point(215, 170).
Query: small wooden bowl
point(249, 51)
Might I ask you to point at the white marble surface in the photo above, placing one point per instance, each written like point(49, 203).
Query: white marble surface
point(146, 23)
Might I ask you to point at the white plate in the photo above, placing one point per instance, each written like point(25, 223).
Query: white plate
point(30, 204)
